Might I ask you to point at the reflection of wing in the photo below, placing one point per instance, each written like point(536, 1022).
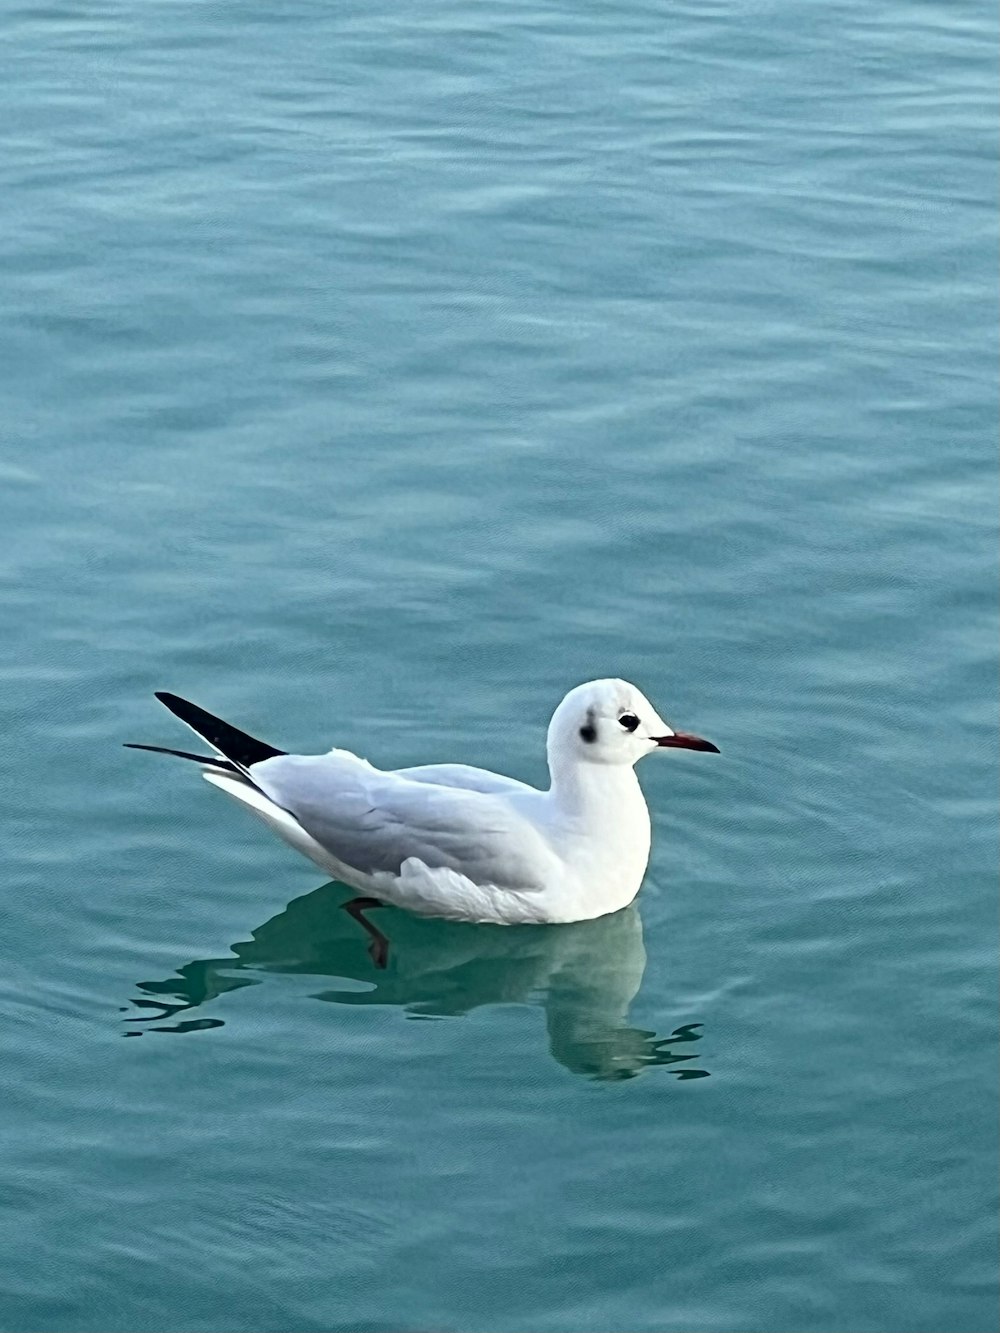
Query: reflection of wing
point(373, 821)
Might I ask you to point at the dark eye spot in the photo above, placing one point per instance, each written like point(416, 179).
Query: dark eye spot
point(629, 721)
point(588, 733)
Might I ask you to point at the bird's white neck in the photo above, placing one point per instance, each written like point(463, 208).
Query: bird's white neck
point(588, 789)
point(603, 811)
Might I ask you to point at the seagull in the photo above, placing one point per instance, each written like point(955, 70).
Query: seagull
point(449, 840)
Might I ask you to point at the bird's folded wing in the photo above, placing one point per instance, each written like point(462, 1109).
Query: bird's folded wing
point(464, 777)
point(374, 821)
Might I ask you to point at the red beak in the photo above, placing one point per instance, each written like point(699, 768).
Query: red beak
point(683, 740)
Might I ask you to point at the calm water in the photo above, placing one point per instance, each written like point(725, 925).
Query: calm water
point(372, 374)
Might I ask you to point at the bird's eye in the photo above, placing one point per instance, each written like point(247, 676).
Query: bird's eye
point(629, 721)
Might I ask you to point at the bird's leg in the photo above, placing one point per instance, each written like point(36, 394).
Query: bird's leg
point(378, 950)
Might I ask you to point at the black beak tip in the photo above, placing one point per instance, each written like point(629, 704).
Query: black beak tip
point(698, 743)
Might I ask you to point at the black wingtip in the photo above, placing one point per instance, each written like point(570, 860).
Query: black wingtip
point(209, 760)
point(238, 746)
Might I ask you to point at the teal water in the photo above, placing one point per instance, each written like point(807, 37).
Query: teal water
point(373, 374)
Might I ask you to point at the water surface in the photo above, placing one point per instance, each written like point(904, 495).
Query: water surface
point(371, 376)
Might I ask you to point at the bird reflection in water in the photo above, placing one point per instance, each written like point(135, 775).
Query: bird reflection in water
point(585, 976)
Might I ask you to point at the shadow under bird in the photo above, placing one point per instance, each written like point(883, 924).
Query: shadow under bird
point(453, 841)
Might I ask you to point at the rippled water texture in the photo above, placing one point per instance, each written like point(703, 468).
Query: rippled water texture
point(371, 374)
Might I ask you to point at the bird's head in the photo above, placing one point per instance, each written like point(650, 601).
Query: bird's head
point(612, 722)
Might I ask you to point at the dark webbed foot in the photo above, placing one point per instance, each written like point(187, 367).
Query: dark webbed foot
point(378, 949)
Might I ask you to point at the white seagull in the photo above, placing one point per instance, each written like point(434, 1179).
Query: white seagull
point(448, 840)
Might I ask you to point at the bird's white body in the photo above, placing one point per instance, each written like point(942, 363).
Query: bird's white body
point(588, 849)
point(458, 842)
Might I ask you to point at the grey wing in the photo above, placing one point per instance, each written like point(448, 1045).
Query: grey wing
point(463, 776)
point(374, 821)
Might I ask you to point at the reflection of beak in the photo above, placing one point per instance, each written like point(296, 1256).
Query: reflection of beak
point(683, 740)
